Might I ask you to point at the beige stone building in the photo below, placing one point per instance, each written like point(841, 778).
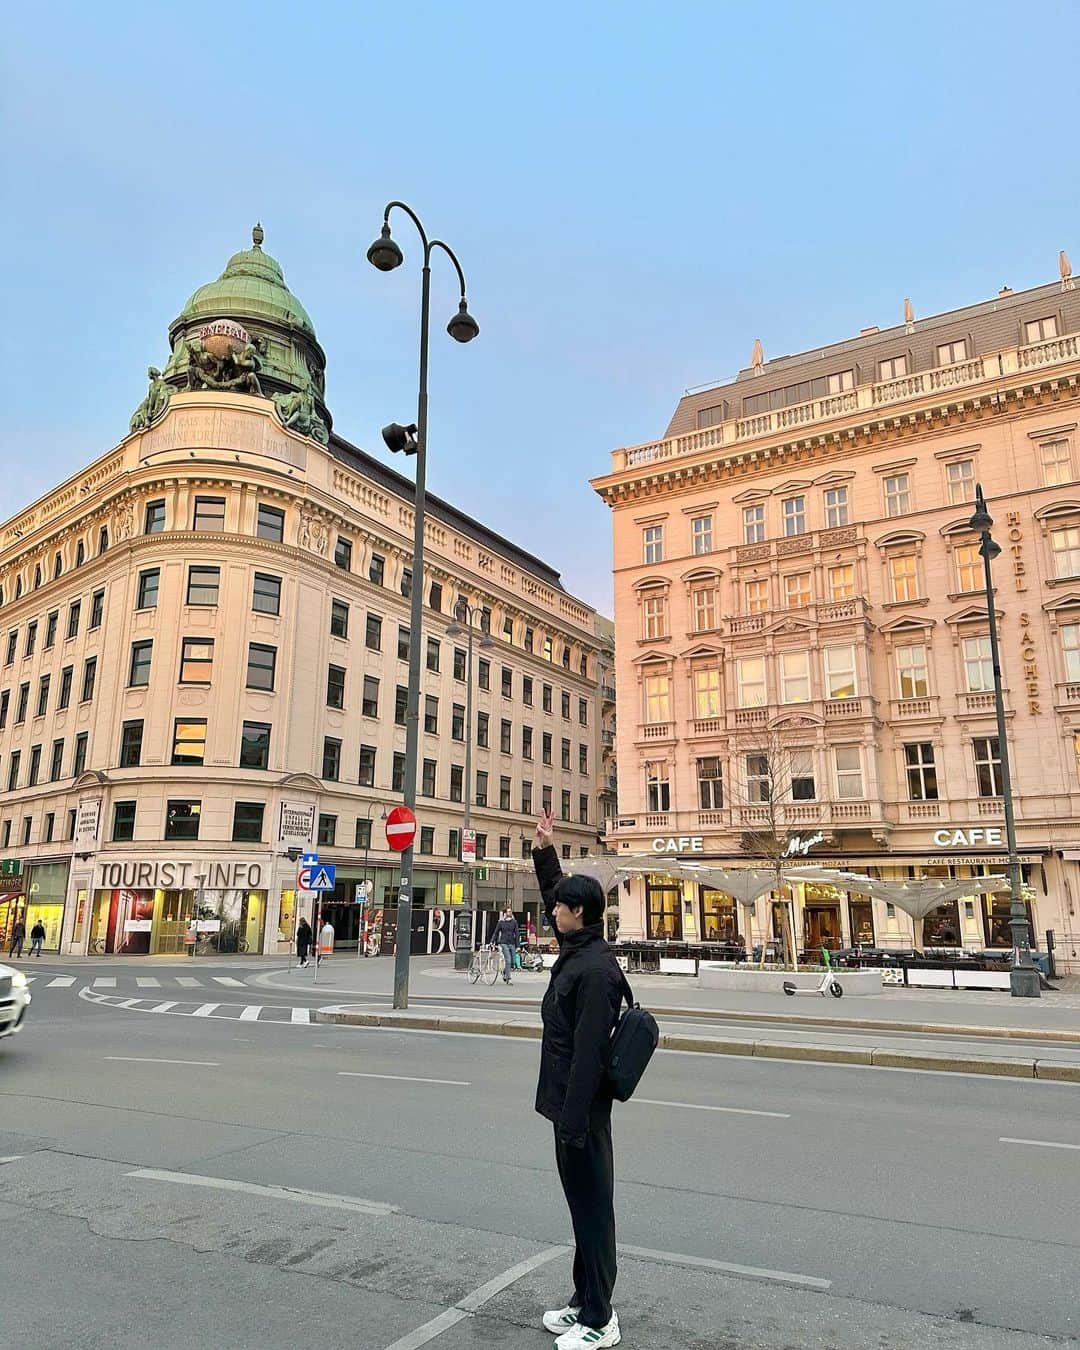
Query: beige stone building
point(203, 663)
point(802, 630)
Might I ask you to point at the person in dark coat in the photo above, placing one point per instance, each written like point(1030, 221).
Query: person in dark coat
point(580, 1009)
point(505, 937)
point(18, 937)
point(37, 937)
point(303, 941)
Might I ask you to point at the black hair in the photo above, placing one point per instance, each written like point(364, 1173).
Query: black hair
point(584, 893)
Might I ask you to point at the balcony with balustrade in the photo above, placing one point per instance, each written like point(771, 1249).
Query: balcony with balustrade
point(856, 609)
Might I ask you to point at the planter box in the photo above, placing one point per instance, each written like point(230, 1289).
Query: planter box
point(855, 982)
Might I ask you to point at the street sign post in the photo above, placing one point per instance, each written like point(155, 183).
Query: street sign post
point(400, 828)
point(468, 847)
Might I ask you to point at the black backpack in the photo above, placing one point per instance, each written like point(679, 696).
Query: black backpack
point(632, 1044)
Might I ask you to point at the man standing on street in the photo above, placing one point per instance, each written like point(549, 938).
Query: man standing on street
point(37, 937)
point(580, 1009)
point(18, 936)
point(505, 937)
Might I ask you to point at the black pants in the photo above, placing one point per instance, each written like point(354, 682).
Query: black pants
point(588, 1181)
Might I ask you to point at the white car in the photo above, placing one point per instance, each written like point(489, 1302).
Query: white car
point(14, 1000)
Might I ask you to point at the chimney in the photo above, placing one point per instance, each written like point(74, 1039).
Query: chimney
point(866, 332)
point(1005, 290)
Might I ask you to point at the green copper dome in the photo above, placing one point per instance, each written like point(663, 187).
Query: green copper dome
point(253, 287)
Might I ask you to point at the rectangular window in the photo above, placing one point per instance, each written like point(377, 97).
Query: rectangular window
point(505, 733)
point(203, 585)
point(50, 826)
point(363, 832)
point(750, 681)
point(123, 825)
point(35, 766)
point(548, 650)
point(564, 753)
point(209, 514)
point(842, 582)
point(703, 608)
point(841, 381)
point(373, 632)
point(13, 769)
point(335, 687)
point(836, 507)
point(435, 596)
point(97, 611)
point(701, 529)
point(794, 677)
point(657, 690)
point(526, 743)
point(196, 660)
point(261, 666)
point(457, 774)
point(89, 680)
point(255, 745)
point(64, 697)
point(369, 706)
point(1056, 460)
point(72, 627)
point(270, 524)
point(149, 582)
point(978, 665)
point(432, 659)
point(403, 644)
point(1065, 546)
point(13, 643)
point(31, 636)
point(5, 699)
point(759, 788)
point(1070, 647)
point(707, 694)
point(504, 793)
point(583, 712)
point(431, 714)
point(960, 481)
point(546, 746)
point(912, 675)
point(507, 682)
point(366, 771)
point(483, 729)
point(483, 673)
point(427, 840)
point(50, 628)
point(427, 787)
point(454, 844)
point(481, 846)
point(406, 582)
point(948, 353)
point(653, 539)
point(564, 806)
point(401, 705)
point(24, 696)
point(457, 722)
point(793, 510)
point(753, 524)
point(988, 766)
point(339, 619)
point(377, 569)
point(508, 629)
point(266, 594)
point(710, 780)
point(897, 490)
point(803, 778)
point(343, 553)
point(459, 663)
point(969, 568)
point(327, 830)
point(922, 784)
point(527, 690)
point(892, 368)
point(654, 609)
point(131, 739)
point(43, 695)
point(247, 822)
point(545, 697)
point(657, 788)
point(481, 793)
point(182, 819)
point(840, 679)
point(849, 784)
point(1040, 330)
point(155, 518)
point(797, 593)
point(56, 765)
point(757, 597)
point(904, 579)
point(397, 772)
point(189, 740)
point(331, 758)
point(530, 638)
point(565, 704)
point(526, 798)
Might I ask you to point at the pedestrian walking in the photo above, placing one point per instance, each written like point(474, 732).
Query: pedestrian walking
point(505, 937)
point(37, 937)
point(580, 1010)
point(18, 936)
point(303, 941)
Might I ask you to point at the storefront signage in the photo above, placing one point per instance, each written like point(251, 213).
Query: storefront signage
point(181, 876)
point(1030, 658)
point(138, 925)
point(992, 836)
point(87, 823)
point(683, 843)
point(11, 867)
point(802, 844)
point(1016, 548)
point(297, 824)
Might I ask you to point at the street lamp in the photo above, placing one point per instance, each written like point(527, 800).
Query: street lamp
point(361, 946)
point(468, 613)
point(385, 254)
point(1023, 977)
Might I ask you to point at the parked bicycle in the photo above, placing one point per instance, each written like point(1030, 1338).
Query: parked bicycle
point(486, 965)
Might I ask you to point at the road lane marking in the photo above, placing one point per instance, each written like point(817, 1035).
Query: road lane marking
point(251, 1012)
point(228, 979)
point(205, 1009)
point(471, 1303)
point(61, 982)
point(105, 982)
point(163, 1007)
point(324, 1199)
point(143, 1059)
point(11, 1157)
point(300, 1015)
point(147, 982)
point(727, 1267)
point(1038, 1143)
point(728, 1110)
point(401, 1078)
point(188, 982)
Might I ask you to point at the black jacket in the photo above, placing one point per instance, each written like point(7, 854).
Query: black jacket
point(38, 931)
point(303, 936)
point(506, 931)
point(580, 1010)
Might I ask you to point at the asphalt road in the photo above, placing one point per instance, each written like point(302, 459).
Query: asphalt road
point(359, 1186)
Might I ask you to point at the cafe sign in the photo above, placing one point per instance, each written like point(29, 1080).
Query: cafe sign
point(991, 836)
point(683, 843)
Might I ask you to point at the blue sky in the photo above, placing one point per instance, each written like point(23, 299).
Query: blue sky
point(636, 192)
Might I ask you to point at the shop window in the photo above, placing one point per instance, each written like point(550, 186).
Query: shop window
point(123, 824)
point(196, 660)
point(189, 741)
point(327, 830)
point(209, 514)
point(131, 740)
point(203, 585)
point(941, 927)
point(247, 825)
point(710, 784)
point(270, 524)
point(182, 819)
point(663, 910)
point(719, 916)
point(987, 754)
point(261, 666)
point(339, 619)
point(266, 594)
point(921, 770)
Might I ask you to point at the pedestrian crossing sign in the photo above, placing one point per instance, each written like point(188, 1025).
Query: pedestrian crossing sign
point(322, 878)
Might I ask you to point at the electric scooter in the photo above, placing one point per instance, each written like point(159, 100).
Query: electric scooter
point(829, 983)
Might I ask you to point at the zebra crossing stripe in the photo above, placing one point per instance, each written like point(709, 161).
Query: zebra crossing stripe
point(163, 1007)
point(205, 1009)
point(251, 1012)
point(187, 981)
point(105, 982)
point(147, 982)
point(300, 1015)
point(227, 979)
point(61, 982)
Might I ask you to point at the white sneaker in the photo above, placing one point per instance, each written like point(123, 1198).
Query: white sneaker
point(588, 1338)
point(561, 1319)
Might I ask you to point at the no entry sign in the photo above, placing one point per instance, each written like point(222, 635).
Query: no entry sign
point(400, 828)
